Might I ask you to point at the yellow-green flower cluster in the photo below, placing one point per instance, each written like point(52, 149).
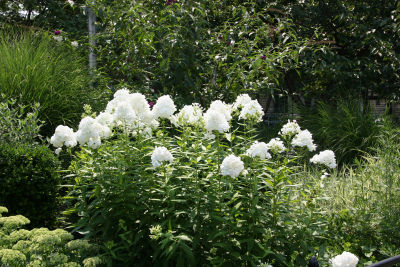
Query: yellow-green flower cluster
point(41, 247)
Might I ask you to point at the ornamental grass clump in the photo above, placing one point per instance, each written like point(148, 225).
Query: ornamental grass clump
point(193, 186)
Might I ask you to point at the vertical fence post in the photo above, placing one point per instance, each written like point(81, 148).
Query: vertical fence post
point(92, 39)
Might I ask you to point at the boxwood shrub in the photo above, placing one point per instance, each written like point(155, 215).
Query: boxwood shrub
point(29, 182)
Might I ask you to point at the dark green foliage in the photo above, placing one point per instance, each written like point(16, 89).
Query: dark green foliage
point(29, 182)
point(346, 128)
point(195, 50)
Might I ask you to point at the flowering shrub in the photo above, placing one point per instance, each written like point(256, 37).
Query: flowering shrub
point(41, 247)
point(192, 188)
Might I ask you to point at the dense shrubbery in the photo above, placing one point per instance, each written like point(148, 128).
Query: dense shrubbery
point(29, 182)
point(41, 247)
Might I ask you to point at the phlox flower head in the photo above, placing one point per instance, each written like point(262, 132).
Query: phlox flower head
point(258, 149)
point(63, 135)
point(106, 119)
point(215, 120)
point(160, 155)
point(346, 259)
point(121, 94)
point(164, 107)
point(74, 44)
point(326, 157)
point(222, 108)
point(124, 113)
point(241, 101)
point(90, 132)
point(232, 166)
point(304, 139)
point(188, 115)
point(290, 128)
point(139, 103)
point(276, 145)
point(252, 111)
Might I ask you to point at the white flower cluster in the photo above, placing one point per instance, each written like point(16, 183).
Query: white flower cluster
point(304, 139)
point(346, 259)
point(215, 121)
point(290, 128)
point(91, 132)
point(232, 166)
point(276, 145)
point(164, 107)
point(217, 117)
point(258, 149)
point(131, 111)
point(63, 136)
point(326, 157)
point(159, 155)
point(223, 108)
point(241, 101)
point(188, 115)
point(252, 111)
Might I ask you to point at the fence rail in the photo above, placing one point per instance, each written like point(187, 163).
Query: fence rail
point(388, 262)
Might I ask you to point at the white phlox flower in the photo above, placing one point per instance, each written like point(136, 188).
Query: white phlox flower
point(121, 94)
point(232, 166)
point(58, 150)
point(290, 128)
point(252, 111)
point(58, 38)
point(160, 155)
point(139, 104)
point(215, 120)
point(304, 139)
point(241, 101)
point(90, 132)
point(258, 149)
point(188, 115)
point(164, 107)
point(124, 114)
point(63, 135)
point(326, 157)
point(276, 145)
point(346, 259)
point(222, 108)
point(133, 112)
point(106, 119)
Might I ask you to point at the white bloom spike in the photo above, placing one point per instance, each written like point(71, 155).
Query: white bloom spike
point(232, 166)
point(63, 135)
point(259, 149)
point(346, 259)
point(164, 107)
point(290, 128)
point(326, 157)
point(160, 155)
point(304, 139)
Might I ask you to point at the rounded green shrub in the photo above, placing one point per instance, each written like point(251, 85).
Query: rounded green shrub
point(29, 182)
